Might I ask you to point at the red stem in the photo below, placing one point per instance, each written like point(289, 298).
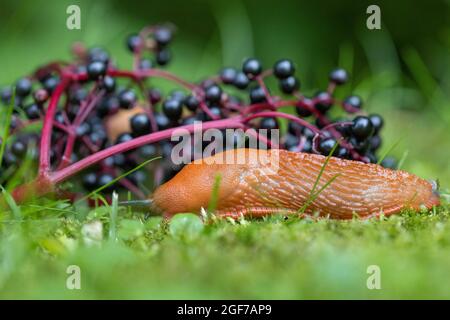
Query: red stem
point(47, 127)
point(74, 168)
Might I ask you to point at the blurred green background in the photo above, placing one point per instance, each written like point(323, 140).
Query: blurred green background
point(402, 70)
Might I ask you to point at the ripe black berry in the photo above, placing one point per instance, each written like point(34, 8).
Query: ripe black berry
point(326, 146)
point(252, 67)
point(289, 85)
point(295, 128)
point(362, 128)
point(268, 123)
point(96, 70)
point(23, 87)
point(90, 181)
point(377, 122)
point(302, 107)
point(291, 142)
point(50, 84)
point(172, 108)
point(163, 36)
point(78, 95)
point(108, 83)
point(362, 146)
point(163, 56)
point(338, 76)
point(283, 69)
point(162, 121)
point(140, 124)
point(323, 101)
point(33, 112)
point(6, 95)
point(241, 81)
point(257, 95)
point(375, 142)
point(98, 137)
point(98, 54)
point(134, 42)
point(119, 160)
point(19, 148)
point(343, 153)
point(124, 137)
point(228, 75)
point(389, 162)
point(127, 99)
point(177, 95)
point(148, 151)
point(191, 103)
point(138, 177)
point(104, 179)
point(83, 129)
point(372, 157)
point(215, 110)
point(352, 103)
point(145, 64)
point(213, 94)
point(107, 106)
point(9, 159)
point(154, 95)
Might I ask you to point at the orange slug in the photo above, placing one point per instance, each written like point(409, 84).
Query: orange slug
point(256, 190)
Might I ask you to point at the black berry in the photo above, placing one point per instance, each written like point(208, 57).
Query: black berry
point(140, 124)
point(362, 128)
point(96, 70)
point(289, 85)
point(33, 112)
point(228, 75)
point(163, 36)
point(127, 99)
point(241, 81)
point(191, 103)
point(163, 56)
point(283, 69)
point(257, 95)
point(338, 76)
point(213, 94)
point(90, 181)
point(352, 103)
point(134, 42)
point(23, 87)
point(377, 122)
point(326, 146)
point(109, 84)
point(323, 101)
point(172, 108)
point(252, 67)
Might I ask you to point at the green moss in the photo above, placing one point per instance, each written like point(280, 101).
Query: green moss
point(273, 258)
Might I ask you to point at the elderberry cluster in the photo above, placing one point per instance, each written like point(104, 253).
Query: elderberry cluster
point(99, 105)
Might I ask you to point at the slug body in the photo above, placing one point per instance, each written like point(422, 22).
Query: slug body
point(257, 189)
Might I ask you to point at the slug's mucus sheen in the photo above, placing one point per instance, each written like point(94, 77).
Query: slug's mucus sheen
point(255, 189)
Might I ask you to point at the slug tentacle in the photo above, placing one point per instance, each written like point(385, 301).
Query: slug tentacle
point(257, 190)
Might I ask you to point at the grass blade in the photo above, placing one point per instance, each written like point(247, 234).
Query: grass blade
point(402, 160)
point(322, 169)
point(214, 194)
point(392, 147)
point(11, 203)
point(113, 217)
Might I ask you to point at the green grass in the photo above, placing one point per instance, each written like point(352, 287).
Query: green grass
point(273, 258)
